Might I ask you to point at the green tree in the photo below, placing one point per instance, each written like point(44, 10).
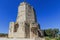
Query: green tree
point(51, 32)
point(48, 32)
point(55, 32)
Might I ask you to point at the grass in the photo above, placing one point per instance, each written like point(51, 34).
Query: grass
point(47, 38)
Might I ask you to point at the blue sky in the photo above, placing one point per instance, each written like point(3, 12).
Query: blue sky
point(47, 12)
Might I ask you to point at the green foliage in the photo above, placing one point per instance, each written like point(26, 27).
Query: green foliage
point(48, 32)
point(58, 38)
point(3, 35)
point(51, 32)
point(47, 38)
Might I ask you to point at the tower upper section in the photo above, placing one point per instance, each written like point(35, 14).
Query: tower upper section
point(26, 13)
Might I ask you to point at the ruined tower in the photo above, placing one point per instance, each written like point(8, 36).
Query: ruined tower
point(26, 25)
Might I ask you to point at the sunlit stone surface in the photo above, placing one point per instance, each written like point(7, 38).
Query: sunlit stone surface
point(21, 39)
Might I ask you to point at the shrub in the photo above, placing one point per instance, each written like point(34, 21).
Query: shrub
point(47, 38)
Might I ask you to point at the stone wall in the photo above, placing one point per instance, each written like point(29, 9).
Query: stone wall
point(21, 39)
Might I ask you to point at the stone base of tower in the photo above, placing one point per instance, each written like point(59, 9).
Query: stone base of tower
point(22, 39)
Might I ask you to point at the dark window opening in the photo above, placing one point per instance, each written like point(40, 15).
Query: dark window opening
point(16, 27)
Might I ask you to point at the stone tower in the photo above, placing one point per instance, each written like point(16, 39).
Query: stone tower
point(25, 25)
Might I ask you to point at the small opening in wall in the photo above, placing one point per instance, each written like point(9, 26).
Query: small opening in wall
point(16, 27)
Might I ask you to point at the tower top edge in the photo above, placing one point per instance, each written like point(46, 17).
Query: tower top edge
point(25, 3)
